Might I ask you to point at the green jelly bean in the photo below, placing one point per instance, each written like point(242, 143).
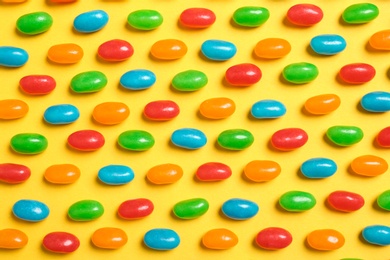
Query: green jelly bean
point(297, 201)
point(235, 139)
point(300, 72)
point(29, 143)
point(85, 210)
point(88, 82)
point(189, 80)
point(251, 16)
point(360, 13)
point(383, 200)
point(34, 23)
point(136, 140)
point(145, 19)
point(345, 135)
point(190, 209)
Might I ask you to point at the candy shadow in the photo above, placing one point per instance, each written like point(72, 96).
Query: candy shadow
point(372, 50)
point(375, 206)
point(312, 53)
point(285, 82)
point(388, 73)
point(289, 24)
point(363, 111)
point(329, 142)
point(221, 149)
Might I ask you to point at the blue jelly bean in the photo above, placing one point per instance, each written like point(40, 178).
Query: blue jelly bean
point(189, 138)
point(218, 50)
point(317, 168)
point(138, 79)
point(240, 209)
point(12, 56)
point(268, 109)
point(30, 210)
point(328, 44)
point(161, 239)
point(116, 174)
point(377, 235)
point(91, 21)
point(61, 114)
point(377, 101)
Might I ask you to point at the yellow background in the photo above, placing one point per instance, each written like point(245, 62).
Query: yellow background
point(59, 198)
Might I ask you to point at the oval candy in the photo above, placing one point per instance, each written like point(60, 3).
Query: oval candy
point(357, 73)
point(288, 139)
point(136, 140)
point(250, 16)
point(235, 139)
point(322, 104)
point(328, 44)
point(115, 50)
point(110, 113)
point(13, 57)
point(197, 18)
point(135, 208)
point(268, 108)
point(62, 173)
point(13, 173)
point(376, 101)
point(30, 210)
point(34, 23)
point(88, 82)
point(297, 201)
point(189, 138)
point(61, 242)
point(86, 140)
point(239, 209)
point(243, 75)
point(304, 14)
point(167, 173)
point(345, 201)
point(116, 174)
point(85, 210)
point(191, 208)
point(11, 238)
point(262, 170)
point(213, 171)
point(145, 19)
point(13, 109)
point(161, 239)
point(369, 165)
point(300, 72)
point(325, 239)
point(189, 80)
point(61, 114)
point(37, 84)
point(383, 137)
point(168, 49)
point(344, 135)
point(218, 50)
point(220, 239)
point(272, 48)
point(138, 79)
point(383, 200)
point(91, 21)
point(66, 53)
point(29, 143)
point(317, 168)
point(109, 238)
point(379, 40)
point(273, 238)
point(217, 108)
point(161, 110)
point(377, 235)
point(360, 13)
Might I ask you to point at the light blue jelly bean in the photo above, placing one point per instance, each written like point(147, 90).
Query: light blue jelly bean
point(377, 101)
point(138, 79)
point(91, 21)
point(30, 210)
point(12, 56)
point(189, 138)
point(161, 239)
point(268, 109)
point(218, 50)
point(116, 174)
point(377, 235)
point(240, 209)
point(61, 114)
point(328, 44)
point(316, 168)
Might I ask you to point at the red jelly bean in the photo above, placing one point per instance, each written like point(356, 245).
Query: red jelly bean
point(14, 173)
point(289, 139)
point(37, 84)
point(61, 242)
point(304, 14)
point(197, 18)
point(86, 140)
point(161, 110)
point(213, 171)
point(345, 201)
point(135, 209)
point(115, 50)
point(383, 138)
point(357, 73)
point(273, 238)
point(243, 75)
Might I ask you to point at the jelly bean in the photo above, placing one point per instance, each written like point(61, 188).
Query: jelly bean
point(322, 104)
point(297, 201)
point(345, 201)
point(288, 139)
point(325, 239)
point(161, 239)
point(300, 72)
point(61, 242)
point(90, 21)
point(189, 80)
point(357, 73)
point(14, 173)
point(262, 170)
point(135, 209)
point(383, 137)
point(88, 82)
point(30, 210)
point(86, 140)
point(161, 110)
point(13, 109)
point(191, 208)
point(317, 168)
point(268, 108)
point(168, 49)
point(220, 239)
point(37, 84)
point(217, 108)
point(61, 114)
point(328, 44)
point(304, 14)
point(12, 56)
point(138, 79)
point(380, 40)
point(66, 53)
point(110, 113)
point(218, 50)
point(189, 138)
point(62, 173)
point(34, 23)
point(213, 171)
point(145, 19)
point(239, 209)
point(136, 140)
point(250, 16)
point(235, 139)
point(115, 174)
point(29, 143)
point(109, 238)
point(167, 173)
point(360, 13)
point(344, 135)
point(272, 48)
point(12, 239)
point(85, 210)
point(376, 101)
point(273, 238)
point(115, 50)
point(383, 200)
point(369, 165)
point(243, 75)
point(377, 235)
point(197, 18)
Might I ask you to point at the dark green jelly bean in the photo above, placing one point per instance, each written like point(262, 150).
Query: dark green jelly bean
point(88, 82)
point(145, 19)
point(251, 16)
point(34, 23)
point(383, 200)
point(190, 209)
point(235, 139)
point(85, 210)
point(360, 13)
point(300, 72)
point(345, 135)
point(189, 80)
point(136, 140)
point(297, 201)
point(29, 143)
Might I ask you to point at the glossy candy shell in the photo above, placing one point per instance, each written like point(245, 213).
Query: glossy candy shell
point(273, 238)
point(322, 104)
point(189, 80)
point(304, 15)
point(220, 239)
point(29, 143)
point(262, 170)
point(380, 40)
point(90, 21)
point(235, 139)
point(138, 79)
point(217, 108)
point(66, 53)
point(136, 140)
point(383, 200)
point(34, 23)
point(115, 174)
point(268, 108)
point(37, 84)
point(344, 135)
point(13, 109)
point(62, 173)
point(85, 210)
point(115, 50)
point(360, 13)
point(30, 210)
point(88, 82)
point(197, 18)
point(251, 16)
point(161, 239)
point(86, 140)
point(345, 201)
point(135, 208)
point(61, 114)
point(300, 72)
point(189, 138)
point(297, 201)
point(109, 238)
point(161, 110)
point(218, 50)
point(61, 242)
point(145, 19)
point(377, 235)
point(383, 137)
point(357, 73)
point(289, 139)
point(13, 57)
point(325, 239)
point(239, 209)
point(243, 75)
point(376, 101)
point(14, 173)
point(191, 208)
point(165, 174)
point(369, 165)
point(328, 44)
point(12, 239)
point(213, 171)
point(168, 49)
point(317, 168)
point(110, 113)
point(272, 48)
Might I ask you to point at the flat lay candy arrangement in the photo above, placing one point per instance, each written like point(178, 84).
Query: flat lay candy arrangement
point(200, 129)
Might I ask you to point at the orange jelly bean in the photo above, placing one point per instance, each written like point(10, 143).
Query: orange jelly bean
point(272, 48)
point(109, 238)
point(322, 104)
point(12, 109)
point(262, 170)
point(369, 165)
point(62, 173)
point(12, 239)
point(169, 49)
point(165, 173)
point(219, 238)
point(67, 53)
point(217, 108)
point(325, 239)
point(110, 113)
point(380, 40)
